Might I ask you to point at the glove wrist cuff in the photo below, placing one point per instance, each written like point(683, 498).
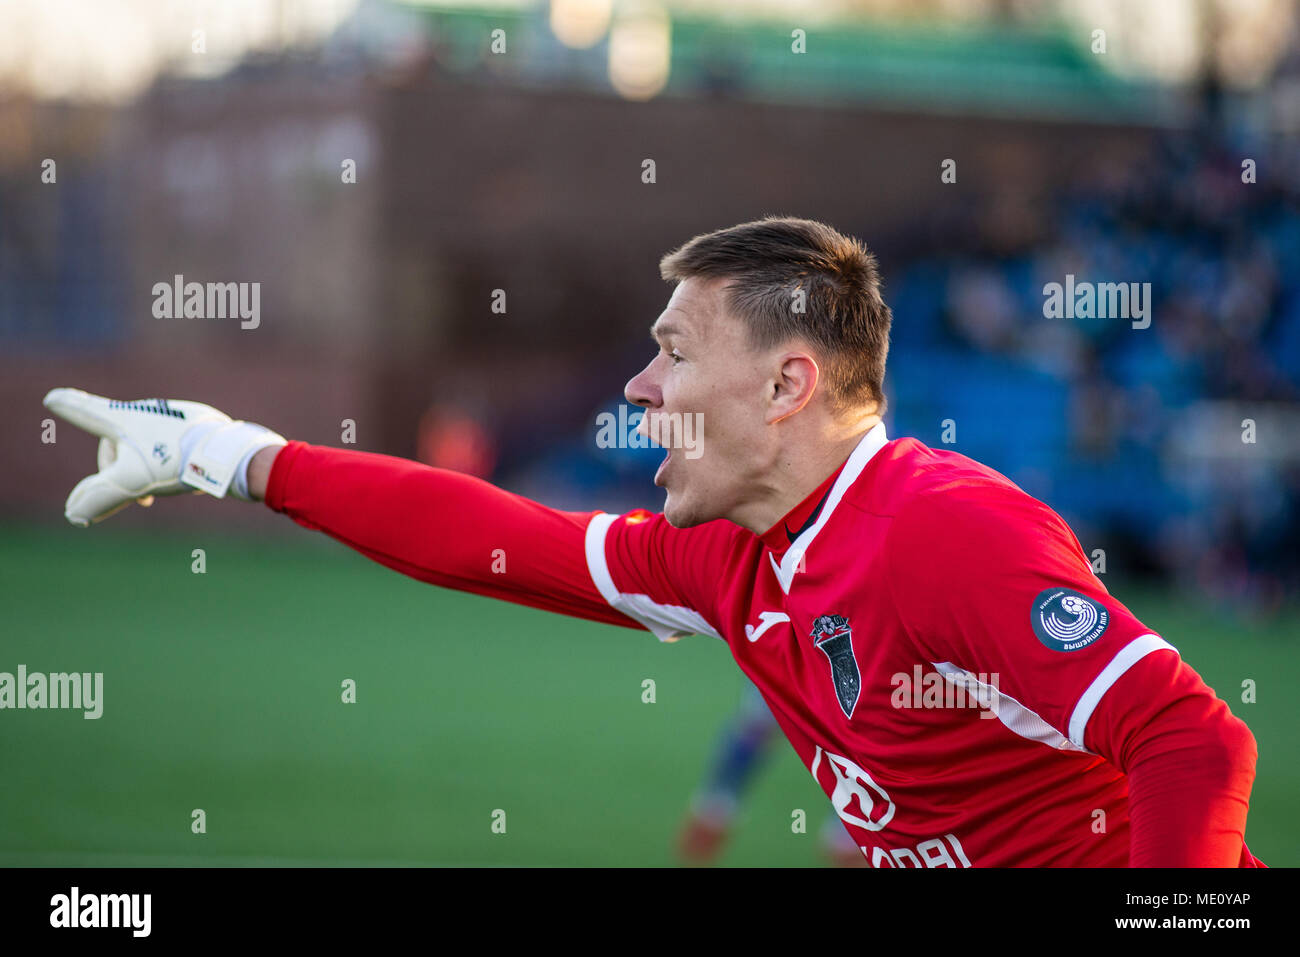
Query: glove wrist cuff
point(215, 456)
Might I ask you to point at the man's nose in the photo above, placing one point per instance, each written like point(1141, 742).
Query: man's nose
point(642, 389)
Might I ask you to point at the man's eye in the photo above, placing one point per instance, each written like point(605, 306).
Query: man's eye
point(675, 357)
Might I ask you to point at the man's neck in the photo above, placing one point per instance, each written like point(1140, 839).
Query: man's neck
point(798, 473)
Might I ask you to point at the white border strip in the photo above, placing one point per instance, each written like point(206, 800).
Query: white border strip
point(666, 622)
point(872, 442)
point(1017, 718)
point(1124, 659)
point(596, 562)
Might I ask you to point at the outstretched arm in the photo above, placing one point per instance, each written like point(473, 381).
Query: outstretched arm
point(438, 526)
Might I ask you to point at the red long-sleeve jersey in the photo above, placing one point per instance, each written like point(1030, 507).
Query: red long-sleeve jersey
point(931, 640)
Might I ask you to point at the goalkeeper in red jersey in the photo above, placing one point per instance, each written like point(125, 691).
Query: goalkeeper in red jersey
point(931, 639)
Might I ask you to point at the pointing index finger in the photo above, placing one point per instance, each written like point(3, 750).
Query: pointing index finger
point(86, 411)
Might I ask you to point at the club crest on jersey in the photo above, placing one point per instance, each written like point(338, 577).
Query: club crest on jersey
point(834, 638)
point(1067, 620)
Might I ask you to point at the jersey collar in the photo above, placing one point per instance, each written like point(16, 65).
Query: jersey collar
point(807, 518)
point(801, 518)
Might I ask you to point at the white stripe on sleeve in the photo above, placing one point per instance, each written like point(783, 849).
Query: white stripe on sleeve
point(1124, 659)
point(666, 622)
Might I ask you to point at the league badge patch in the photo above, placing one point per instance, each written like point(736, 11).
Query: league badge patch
point(1067, 620)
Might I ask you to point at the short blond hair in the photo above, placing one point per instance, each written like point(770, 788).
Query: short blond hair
point(770, 260)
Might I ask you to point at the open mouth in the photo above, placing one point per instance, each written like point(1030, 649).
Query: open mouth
point(659, 473)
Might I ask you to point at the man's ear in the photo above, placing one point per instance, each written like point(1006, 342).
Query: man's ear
point(792, 386)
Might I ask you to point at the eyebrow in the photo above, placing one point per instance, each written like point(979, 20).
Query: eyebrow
point(660, 329)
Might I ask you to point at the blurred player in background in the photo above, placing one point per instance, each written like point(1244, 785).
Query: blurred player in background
point(744, 745)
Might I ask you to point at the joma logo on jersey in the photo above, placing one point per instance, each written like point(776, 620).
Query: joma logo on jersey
point(834, 638)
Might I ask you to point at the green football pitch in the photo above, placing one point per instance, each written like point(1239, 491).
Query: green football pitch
point(223, 692)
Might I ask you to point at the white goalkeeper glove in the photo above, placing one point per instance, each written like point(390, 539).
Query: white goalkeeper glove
point(156, 447)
